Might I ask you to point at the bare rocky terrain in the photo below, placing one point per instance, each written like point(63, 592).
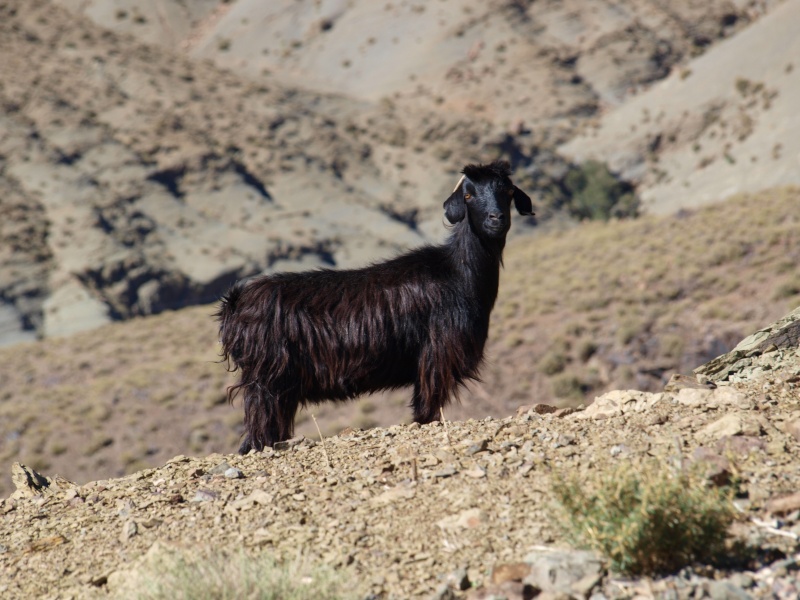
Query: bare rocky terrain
point(447, 510)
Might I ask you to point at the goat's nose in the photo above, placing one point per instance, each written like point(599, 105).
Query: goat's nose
point(496, 216)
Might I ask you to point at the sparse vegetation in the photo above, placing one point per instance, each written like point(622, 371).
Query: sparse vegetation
point(221, 577)
point(597, 195)
point(647, 519)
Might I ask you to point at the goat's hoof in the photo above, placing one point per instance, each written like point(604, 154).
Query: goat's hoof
point(246, 446)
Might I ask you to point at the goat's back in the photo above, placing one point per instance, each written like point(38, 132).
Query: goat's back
point(335, 334)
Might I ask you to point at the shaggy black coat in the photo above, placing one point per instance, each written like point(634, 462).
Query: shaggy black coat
point(420, 319)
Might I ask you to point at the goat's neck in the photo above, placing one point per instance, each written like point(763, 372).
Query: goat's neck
point(478, 262)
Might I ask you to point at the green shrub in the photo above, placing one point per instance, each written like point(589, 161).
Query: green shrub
point(649, 520)
point(568, 386)
point(597, 195)
point(553, 362)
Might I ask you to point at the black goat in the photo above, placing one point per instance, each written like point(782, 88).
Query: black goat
point(421, 318)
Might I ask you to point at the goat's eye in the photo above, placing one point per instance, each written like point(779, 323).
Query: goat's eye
point(467, 196)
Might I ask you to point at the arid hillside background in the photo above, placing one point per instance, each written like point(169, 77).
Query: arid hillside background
point(153, 153)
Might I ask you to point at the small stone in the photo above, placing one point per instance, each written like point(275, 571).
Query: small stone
point(195, 472)
point(793, 429)
point(447, 471)
point(43, 544)
point(694, 397)
point(220, 469)
point(444, 456)
point(476, 473)
point(28, 483)
point(259, 497)
point(458, 579)
point(728, 396)
point(619, 450)
point(563, 412)
point(393, 495)
point(525, 468)
point(233, 473)
point(618, 402)
point(203, 495)
point(510, 572)
point(558, 570)
point(479, 446)
point(729, 425)
point(784, 504)
point(564, 439)
point(725, 590)
point(129, 529)
point(287, 444)
point(680, 382)
point(657, 419)
point(443, 592)
point(151, 523)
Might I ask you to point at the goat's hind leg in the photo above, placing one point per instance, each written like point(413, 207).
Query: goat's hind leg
point(267, 419)
point(428, 407)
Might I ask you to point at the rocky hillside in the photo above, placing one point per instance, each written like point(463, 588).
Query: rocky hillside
point(723, 124)
point(152, 153)
point(136, 180)
point(518, 63)
point(455, 510)
point(581, 311)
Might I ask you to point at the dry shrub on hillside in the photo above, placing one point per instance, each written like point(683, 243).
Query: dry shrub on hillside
point(231, 577)
point(627, 303)
point(647, 520)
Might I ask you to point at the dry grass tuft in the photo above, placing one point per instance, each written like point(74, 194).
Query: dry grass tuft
point(219, 577)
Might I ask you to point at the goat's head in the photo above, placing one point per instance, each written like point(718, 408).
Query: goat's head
point(484, 195)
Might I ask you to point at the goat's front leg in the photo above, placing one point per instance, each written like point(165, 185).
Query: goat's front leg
point(428, 404)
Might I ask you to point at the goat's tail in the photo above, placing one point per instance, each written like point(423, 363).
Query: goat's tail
point(228, 330)
point(230, 335)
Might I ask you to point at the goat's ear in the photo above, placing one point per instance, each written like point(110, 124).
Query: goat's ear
point(455, 208)
point(522, 202)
